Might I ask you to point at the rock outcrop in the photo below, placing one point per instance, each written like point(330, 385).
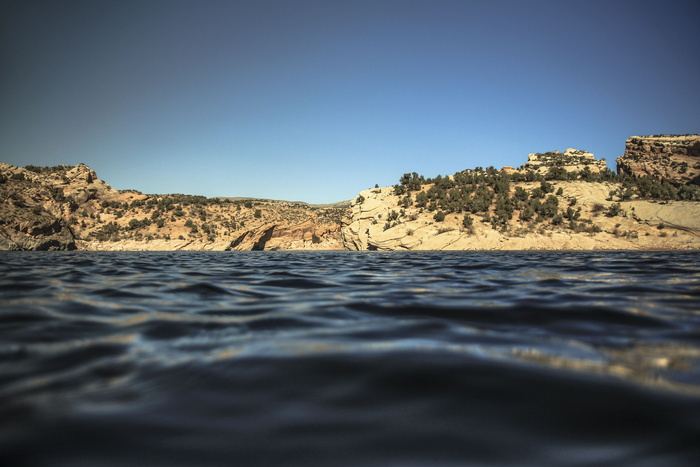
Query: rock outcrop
point(32, 211)
point(639, 224)
point(675, 159)
point(572, 160)
point(556, 200)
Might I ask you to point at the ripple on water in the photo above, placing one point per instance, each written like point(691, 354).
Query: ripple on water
point(422, 358)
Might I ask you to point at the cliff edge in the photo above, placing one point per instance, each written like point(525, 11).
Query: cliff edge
point(672, 158)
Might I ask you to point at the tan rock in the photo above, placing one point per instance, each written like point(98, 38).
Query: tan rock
point(635, 228)
point(665, 157)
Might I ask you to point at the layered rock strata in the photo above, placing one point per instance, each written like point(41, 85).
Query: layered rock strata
point(673, 158)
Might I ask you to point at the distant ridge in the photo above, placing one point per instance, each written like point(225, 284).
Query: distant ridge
point(339, 204)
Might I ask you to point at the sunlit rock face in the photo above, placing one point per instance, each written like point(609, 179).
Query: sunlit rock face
point(32, 207)
point(646, 225)
point(673, 158)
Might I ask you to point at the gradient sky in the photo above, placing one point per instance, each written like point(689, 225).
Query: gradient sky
point(317, 100)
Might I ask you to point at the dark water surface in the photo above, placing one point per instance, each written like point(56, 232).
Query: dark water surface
point(348, 358)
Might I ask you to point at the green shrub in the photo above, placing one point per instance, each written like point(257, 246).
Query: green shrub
point(614, 210)
point(468, 221)
point(598, 208)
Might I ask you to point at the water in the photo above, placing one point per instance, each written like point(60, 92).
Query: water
point(350, 358)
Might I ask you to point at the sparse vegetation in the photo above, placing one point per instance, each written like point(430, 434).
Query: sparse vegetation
point(513, 202)
point(614, 210)
point(439, 216)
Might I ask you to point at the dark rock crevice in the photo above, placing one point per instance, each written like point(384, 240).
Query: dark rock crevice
point(264, 238)
point(237, 241)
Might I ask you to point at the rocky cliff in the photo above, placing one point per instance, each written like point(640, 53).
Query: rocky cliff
point(69, 208)
point(34, 206)
point(675, 159)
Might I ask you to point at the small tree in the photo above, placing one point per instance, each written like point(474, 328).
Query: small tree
point(439, 216)
point(614, 210)
point(520, 194)
point(468, 221)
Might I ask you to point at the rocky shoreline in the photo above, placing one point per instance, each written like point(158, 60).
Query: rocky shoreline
point(555, 201)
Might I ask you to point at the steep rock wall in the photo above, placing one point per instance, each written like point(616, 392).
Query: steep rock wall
point(675, 159)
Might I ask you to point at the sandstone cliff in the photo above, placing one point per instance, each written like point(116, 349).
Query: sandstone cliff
point(33, 208)
point(675, 159)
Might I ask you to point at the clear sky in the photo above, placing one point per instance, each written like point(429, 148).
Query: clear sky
point(317, 100)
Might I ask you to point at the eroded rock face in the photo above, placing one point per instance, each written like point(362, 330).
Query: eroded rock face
point(41, 233)
point(31, 211)
point(675, 159)
point(307, 235)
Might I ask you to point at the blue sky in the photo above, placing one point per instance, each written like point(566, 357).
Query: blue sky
point(317, 100)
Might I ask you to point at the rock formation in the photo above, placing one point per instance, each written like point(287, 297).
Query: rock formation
point(672, 158)
point(572, 160)
point(556, 200)
point(639, 224)
point(31, 212)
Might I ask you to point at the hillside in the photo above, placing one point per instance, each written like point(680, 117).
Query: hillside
point(69, 208)
point(555, 200)
point(585, 220)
